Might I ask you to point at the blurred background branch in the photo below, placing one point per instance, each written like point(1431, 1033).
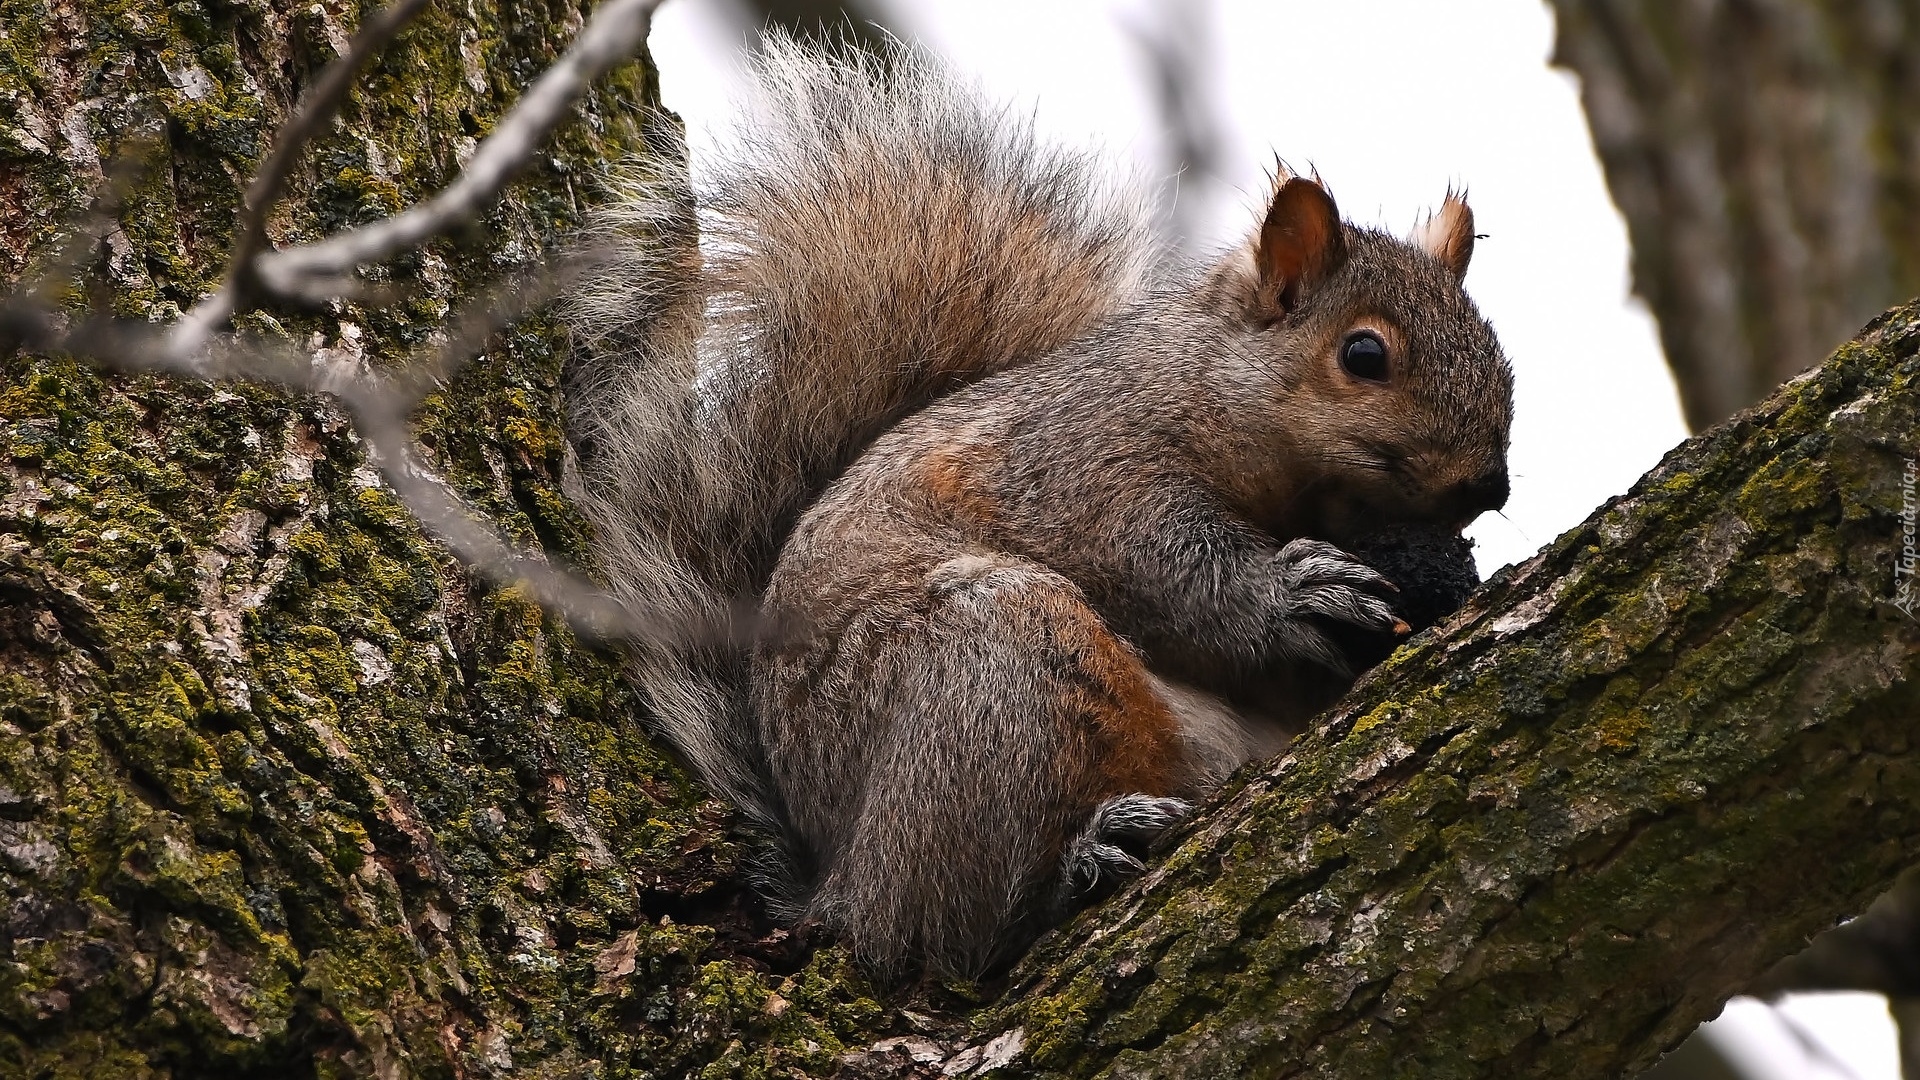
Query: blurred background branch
point(863, 22)
point(1879, 951)
point(1174, 42)
point(1766, 155)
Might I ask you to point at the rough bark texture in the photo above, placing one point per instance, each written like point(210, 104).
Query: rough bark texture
point(1552, 837)
point(282, 793)
point(1766, 155)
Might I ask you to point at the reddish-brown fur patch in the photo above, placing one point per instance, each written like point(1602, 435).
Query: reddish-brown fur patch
point(950, 475)
point(1138, 736)
point(1300, 244)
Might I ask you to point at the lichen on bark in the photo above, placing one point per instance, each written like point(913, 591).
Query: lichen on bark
point(282, 789)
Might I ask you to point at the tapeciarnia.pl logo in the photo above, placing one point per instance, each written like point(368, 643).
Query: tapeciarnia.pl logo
point(1906, 596)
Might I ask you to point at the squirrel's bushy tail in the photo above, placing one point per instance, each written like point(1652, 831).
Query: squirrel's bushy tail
point(873, 237)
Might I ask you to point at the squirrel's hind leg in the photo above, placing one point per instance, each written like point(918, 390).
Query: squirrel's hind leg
point(1011, 729)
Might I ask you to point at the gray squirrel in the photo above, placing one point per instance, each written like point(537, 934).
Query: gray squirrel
point(1043, 544)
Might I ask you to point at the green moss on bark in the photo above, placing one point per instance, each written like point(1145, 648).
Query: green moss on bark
point(281, 789)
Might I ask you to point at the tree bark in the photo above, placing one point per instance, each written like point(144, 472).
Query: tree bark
point(280, 788)
point(1766, 155)
point(282, 791)
point(1550, 838)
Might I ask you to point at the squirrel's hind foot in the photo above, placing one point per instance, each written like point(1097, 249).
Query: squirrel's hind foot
point(1111, 848)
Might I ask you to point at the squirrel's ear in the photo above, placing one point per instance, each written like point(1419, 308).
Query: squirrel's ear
point(1301, 242)
point(1447, 234)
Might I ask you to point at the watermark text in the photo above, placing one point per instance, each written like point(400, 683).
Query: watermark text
point(1906, 588)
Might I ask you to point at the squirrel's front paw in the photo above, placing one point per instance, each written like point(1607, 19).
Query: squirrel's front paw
point(1316, 580)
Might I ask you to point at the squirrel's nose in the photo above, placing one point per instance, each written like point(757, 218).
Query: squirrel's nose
point(1488, 491)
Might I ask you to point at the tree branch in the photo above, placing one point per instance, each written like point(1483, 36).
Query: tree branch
point(1546, 840)
point(314, 273)
point(1766, 158)
point(614, 33)
point(1174, 45)
point(1552, 837)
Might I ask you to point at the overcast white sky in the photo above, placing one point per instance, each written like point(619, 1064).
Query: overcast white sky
point(1392, 101)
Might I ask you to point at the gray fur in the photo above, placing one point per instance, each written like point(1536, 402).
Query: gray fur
point(874, 239)
point(1029, 540)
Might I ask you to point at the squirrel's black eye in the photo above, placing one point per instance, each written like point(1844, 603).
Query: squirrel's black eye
point(1364, 356)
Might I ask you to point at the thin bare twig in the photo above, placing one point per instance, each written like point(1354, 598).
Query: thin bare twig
point(616, 29)
point(201, 345)
point(381, 421)
point(315, 110)
point(1812, 1046)
point(379, 411)
point(1175, 47)
point(498, 307)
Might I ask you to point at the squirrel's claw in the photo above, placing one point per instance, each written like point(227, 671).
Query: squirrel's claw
point(1318, 580)
point(1097, 857)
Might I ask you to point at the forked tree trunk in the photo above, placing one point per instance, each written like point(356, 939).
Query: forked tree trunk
point(281, 792)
